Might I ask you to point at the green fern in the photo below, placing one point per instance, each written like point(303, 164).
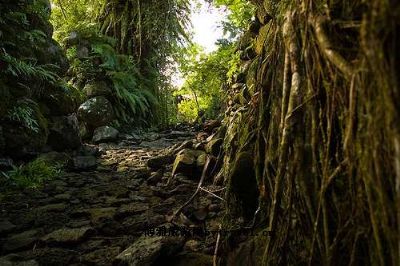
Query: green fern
point(138, 101)
point(32, 174)
point(24, 114)
point(28, 70)
point(108, 55)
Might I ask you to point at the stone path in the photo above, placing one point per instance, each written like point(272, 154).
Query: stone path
point(100, 217)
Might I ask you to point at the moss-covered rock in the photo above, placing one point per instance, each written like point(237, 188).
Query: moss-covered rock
point(186, 162)
point(261, 38)
point(96, 112)
point(262, 15)
point(97, 88)
point(251, 78)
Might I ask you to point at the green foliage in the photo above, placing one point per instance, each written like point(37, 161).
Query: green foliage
point(75, 15)
point(28, 70)
point(240, 13)
point(206, 75)
point(132, 98)
point(24, 114)
point(130, 44)
point(31, 175)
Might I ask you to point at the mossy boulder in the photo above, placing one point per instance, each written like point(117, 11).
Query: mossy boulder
point(97, 88)
point(150, 251)
point(55, 158)
point(56, 55)
point(96, 112)
point(160, 162)
point(187, 163)
point(105, 134)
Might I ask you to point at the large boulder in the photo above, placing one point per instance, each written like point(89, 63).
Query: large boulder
point(64, 133)
point(96, 112)
point(55, 158)
point(56, 55)
point(105, 134)
point(98, 88)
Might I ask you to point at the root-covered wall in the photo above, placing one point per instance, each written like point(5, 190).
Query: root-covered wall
point(315, 113)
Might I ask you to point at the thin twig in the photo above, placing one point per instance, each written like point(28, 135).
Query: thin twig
point(215, 257)
point(209, 192)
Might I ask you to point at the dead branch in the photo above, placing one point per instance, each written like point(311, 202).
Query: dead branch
point(195, 193)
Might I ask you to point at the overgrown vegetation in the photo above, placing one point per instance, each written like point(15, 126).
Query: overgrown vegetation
point(207, 75)
point(135, 43)
point(31, 175)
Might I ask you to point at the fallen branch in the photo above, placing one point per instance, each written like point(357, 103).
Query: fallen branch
point(170, 219)
point(216, 247)
point(211, 193)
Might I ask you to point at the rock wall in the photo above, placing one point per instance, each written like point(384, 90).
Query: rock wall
point(34, 97)
point(315, 114)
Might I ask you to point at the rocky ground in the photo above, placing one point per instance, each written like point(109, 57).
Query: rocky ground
point(102, 211)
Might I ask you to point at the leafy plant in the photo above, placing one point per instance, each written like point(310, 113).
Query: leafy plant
point(28, 69)
point(205, 75)
point(25, 114)
point(32, 174)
